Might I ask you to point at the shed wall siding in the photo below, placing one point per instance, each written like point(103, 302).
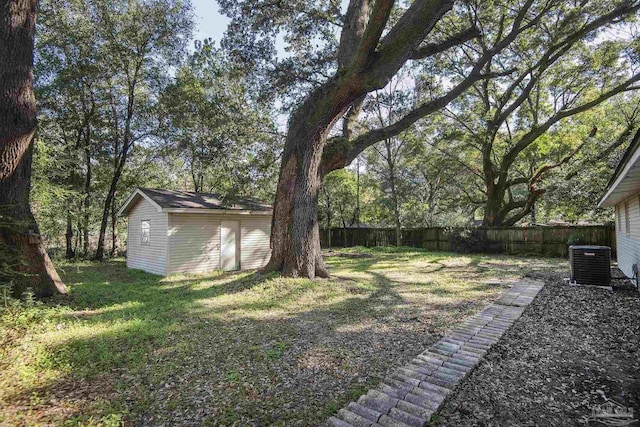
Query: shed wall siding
point(153, 257)
point(255, 249)
point(194, 243)
point(628, 245)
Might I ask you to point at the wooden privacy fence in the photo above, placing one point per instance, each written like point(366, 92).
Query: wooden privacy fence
point(547, 241)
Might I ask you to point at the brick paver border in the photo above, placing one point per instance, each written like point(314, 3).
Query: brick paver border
point(410, 394)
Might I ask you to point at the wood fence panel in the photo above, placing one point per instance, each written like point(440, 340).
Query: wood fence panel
point(545, 241)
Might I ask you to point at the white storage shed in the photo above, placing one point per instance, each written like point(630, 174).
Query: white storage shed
point(186, 232)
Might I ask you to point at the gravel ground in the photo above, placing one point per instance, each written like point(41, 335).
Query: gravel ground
point(572, 349)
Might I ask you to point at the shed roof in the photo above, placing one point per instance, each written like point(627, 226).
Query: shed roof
point(189, 201)
point(625, 181)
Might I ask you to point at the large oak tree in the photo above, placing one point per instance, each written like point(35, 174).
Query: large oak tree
point(514, 122)
point(24, 259)
point(376, 39)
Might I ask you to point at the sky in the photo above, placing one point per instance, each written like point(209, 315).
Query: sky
point(209, 22)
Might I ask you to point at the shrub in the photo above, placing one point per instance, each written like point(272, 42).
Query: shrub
point(574, 240)
point(470, 240)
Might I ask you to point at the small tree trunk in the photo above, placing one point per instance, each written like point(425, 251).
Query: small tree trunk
point(105, 221)
point(358, 192)
point(19, 234)
point(86, 203)
point(69, 236)
point(108, 203)
point(394, 195)
point(118, 166)
point(328, 219)
point(344, 234)
point(78, 240)
point(396, 215)
point(114, 229)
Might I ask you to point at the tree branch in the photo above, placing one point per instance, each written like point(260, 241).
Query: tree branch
point(544, 169)
point(373, 32)
point(621, 139)
point(339, 153)
point(355, 22)
point(535, 133)
point(554, 53)
point(350, 149)
point(431, 49)
point(526, 208)
point(403, 38)
point(518, 181)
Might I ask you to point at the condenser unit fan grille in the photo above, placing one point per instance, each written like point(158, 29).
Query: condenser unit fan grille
point(590, 265)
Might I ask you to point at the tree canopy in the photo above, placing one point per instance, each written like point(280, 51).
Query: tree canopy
point(458, 112)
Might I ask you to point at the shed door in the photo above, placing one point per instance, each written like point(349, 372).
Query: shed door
point(230, 245)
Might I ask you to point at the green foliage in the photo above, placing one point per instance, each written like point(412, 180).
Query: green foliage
point(207, 119)
point(309, 30)
point(225, 140)
point(522, 131)
point(337, 204)
point(575, 189)
point(118, 92)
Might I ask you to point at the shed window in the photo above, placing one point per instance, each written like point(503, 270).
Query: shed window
point(145, 228)
point(627, 223)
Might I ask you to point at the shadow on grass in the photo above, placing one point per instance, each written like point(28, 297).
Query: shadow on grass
point(125, 320)
point(141, 329)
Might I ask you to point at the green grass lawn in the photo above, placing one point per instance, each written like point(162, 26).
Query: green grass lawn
point(130, 348)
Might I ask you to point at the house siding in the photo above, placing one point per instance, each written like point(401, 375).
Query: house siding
point(194, 243)
point(628, 244)
point(255, 248)
point(152, 257)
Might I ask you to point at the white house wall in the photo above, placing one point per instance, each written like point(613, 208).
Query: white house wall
point(152, 257)
point(628, 245)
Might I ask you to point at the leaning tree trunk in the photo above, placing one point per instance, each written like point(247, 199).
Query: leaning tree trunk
point(295, 235)
point(111, 195)
point(24, 257)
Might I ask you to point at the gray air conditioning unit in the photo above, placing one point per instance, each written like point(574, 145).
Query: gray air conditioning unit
point(590, 265)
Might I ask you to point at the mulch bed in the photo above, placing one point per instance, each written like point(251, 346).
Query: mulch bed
point(573, 348)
